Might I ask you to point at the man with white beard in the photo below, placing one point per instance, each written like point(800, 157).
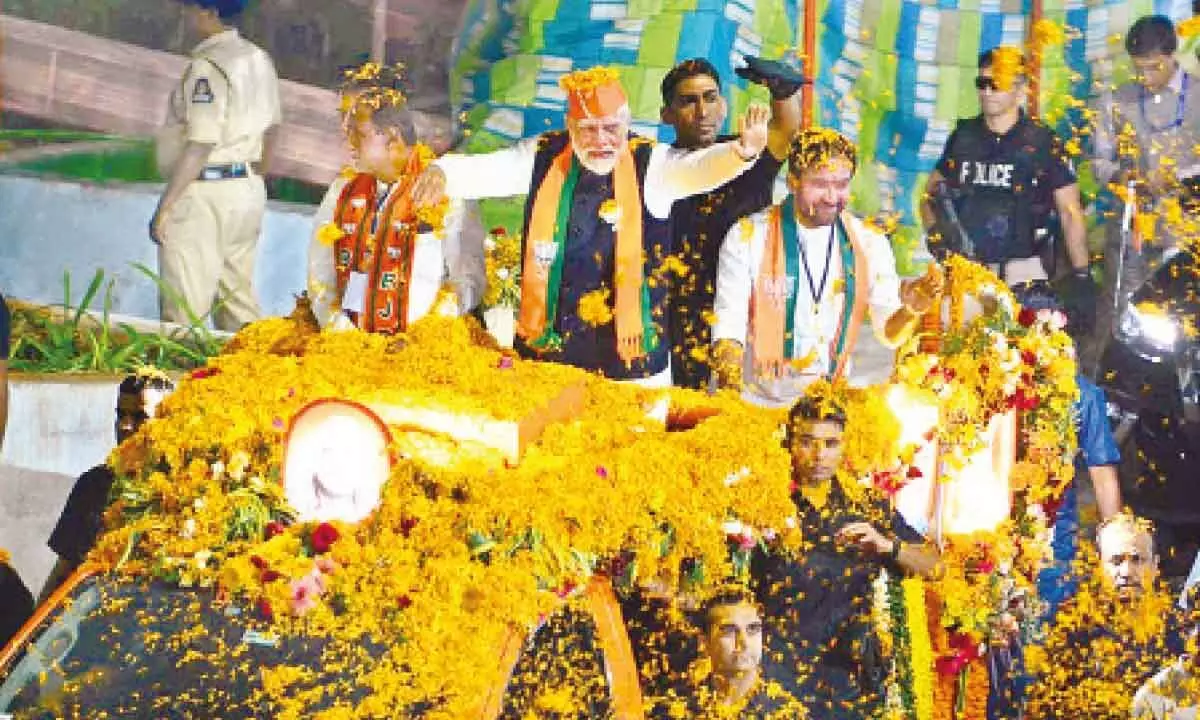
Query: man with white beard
point(597, 237)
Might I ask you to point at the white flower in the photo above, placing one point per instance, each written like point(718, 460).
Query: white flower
point(733, 527)
point(489, 244)
point(201, 558)
point(1055, 319)
point(198, 503)
point(502, 273)
point(189, 528)
point(218, 469)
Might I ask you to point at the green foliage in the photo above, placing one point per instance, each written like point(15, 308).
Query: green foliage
point(77, 340)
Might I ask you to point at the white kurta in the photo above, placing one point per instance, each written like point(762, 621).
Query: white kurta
point(454, 255)
point(671, 174)
point(815, 323)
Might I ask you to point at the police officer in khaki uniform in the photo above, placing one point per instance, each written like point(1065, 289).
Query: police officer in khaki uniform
point(208, 219)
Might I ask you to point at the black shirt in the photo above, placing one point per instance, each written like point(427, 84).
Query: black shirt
point(82, 518)
point(1004, 184)
point(16, 603)
point(821, 646)
point(699, 225)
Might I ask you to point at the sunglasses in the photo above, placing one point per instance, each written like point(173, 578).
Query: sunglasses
point(985, 83)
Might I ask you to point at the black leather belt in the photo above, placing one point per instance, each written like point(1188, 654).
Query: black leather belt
point(230, 171)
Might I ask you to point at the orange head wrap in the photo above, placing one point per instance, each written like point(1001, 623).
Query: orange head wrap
point(593, 93)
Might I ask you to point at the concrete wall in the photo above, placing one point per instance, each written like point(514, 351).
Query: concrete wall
point(51, 226)
point(30, 502)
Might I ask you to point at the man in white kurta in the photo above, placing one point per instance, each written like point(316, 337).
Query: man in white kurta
point(597, 235)
point(440, 258)
point(830, 271)
point(371, 258)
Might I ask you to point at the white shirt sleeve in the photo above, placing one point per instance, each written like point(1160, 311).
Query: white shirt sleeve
point(741, 254)
point(502, 173)
point(322, 270)
point(463, 252)
point(884, 282)
point(674, 173)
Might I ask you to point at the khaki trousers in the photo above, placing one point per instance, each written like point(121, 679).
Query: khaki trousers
point(208, 252)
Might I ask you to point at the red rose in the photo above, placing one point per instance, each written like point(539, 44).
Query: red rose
point(269, 575)
point(1028, 357)
point(1027, 317)
point(499, 231)
point(913, 472)
point(323, 538)
point(404, 602)
point(258, 562)
point(274, 528)
point(204, 372)
point(264, 609)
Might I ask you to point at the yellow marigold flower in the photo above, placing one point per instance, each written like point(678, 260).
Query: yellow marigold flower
point(1048, 32)
point(5, 557)
point(1189, 28)
point(610, 212)
point(329, 233)
point(595, 309)
point(590, 79)
point(1007, 66)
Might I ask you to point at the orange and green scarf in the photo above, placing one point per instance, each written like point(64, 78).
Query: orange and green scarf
point(773, 313)
point(540, 283)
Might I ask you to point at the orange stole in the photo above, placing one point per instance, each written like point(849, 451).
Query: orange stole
point(767, 322)
point(385, 256)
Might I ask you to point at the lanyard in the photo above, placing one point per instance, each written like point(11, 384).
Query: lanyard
point(816, 291)
point(380, 204)
point(1180, 105)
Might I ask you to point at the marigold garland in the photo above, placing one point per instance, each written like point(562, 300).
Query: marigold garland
point(583, 81)
point(445, 554)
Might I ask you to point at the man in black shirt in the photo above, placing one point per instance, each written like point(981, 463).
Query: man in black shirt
point(81, 521)
point(693, 105)
point(818, 605)
point(1001, 177)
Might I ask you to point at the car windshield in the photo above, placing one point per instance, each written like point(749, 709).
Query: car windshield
point(124, 649)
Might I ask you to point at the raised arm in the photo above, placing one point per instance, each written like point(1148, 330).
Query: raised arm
point(674, 173)
point(501, 173)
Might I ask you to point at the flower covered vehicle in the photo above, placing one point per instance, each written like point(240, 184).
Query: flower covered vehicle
point(352, 525)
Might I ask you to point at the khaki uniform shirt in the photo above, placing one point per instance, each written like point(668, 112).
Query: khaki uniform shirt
point(228, 98)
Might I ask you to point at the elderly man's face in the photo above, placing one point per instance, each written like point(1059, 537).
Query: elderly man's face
point(598, 140)
point(1127, 558)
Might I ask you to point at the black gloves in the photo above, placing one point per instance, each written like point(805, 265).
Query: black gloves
point(781, 79)
point(1079, 297)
